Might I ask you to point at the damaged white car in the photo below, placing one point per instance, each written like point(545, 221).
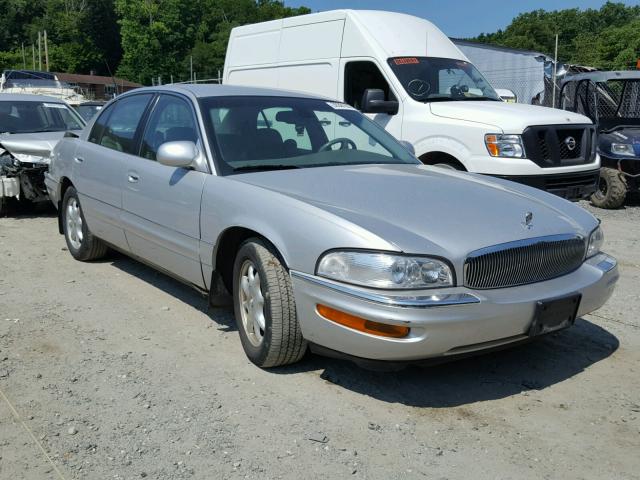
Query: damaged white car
point(30, 126)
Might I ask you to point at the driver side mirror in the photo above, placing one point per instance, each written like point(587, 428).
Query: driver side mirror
point(177, 154)
point(373, 101)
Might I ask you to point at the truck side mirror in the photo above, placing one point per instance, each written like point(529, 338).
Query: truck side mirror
point(373, 102)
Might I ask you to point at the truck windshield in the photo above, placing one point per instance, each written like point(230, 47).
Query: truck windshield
point(432, 79)
point(33, 117)
point(274, 133)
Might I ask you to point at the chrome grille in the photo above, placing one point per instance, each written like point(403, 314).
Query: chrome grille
point(524, 261)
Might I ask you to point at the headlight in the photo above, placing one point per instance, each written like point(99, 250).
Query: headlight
point(504, 145)
point(622, 149)
point(596, 239)
point(385, 270)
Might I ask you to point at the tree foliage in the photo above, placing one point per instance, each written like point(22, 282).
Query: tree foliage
point(608, 38)
point(140, 39)
point(161, 37)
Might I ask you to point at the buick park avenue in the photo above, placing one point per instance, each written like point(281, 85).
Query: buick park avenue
point(325, 231)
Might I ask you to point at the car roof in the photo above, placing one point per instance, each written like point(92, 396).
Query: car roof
point(604, 76)
point(214, 90)
point(26, 97)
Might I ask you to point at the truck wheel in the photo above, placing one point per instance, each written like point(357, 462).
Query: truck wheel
point(265, 309)
point(612, 189)
point(3, 206)
point(81, 243)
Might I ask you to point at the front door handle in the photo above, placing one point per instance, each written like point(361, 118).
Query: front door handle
point(133, 177)
point(78, 159)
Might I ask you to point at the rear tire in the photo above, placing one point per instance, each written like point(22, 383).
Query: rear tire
point(265, 308)
point(612, 189)
point(81, 243)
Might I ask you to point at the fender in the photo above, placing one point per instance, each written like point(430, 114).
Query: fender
point(445, 144)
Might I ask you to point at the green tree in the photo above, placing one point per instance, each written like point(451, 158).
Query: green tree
point(604, 38)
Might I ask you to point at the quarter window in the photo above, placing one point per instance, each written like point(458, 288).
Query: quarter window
point(171, 121)
point(121, 126)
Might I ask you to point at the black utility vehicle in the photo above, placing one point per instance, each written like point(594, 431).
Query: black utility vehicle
point(612, 101)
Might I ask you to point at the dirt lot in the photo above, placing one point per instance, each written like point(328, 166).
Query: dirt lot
point(111, 370)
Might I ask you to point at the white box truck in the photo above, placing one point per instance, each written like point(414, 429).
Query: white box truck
point(405, 74)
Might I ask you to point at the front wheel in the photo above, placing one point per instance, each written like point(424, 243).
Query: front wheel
point(265, 308)
point(81, 243)
point(612, 189)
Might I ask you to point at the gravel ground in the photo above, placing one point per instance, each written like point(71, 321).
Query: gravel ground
point(111, 370)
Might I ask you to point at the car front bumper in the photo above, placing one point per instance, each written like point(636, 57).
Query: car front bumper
point(446, 322)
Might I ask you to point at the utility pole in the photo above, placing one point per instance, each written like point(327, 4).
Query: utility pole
point(39, 51)
point(191, 69)
point(46, 51)
point(24, 58)
point(33, 55)
point(555, 72)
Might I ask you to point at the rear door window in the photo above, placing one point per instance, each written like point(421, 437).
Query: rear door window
point(121, 126)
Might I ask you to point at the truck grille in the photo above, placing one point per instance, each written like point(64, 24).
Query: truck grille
point(523, 262)
point(559, 145)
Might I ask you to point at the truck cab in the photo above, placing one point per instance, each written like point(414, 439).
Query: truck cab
point(406, 75)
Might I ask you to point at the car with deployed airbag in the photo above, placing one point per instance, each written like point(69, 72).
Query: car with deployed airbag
point(322, 229)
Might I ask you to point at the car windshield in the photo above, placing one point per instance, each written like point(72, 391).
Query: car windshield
point(271, 133)
point(33, 117)
point(432, 79)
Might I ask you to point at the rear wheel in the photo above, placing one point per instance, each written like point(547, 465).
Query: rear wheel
point(265, 309)
point(612, 189)
point(81, 243)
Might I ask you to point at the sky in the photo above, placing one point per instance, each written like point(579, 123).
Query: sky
point(461, 18)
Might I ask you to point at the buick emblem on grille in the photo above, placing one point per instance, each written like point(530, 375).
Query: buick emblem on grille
point(528, 219)
point(570, 142)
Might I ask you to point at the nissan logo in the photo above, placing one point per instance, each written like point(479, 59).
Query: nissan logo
point(570, 142)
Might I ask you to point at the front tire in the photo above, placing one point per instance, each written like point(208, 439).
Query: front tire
point(81, 243)
point(265, 308)
point(612, 189)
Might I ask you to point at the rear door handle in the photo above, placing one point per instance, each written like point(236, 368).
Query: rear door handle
point(133, 177)
point(78, 159)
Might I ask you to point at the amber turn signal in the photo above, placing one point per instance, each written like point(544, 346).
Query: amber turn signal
point(361, 324)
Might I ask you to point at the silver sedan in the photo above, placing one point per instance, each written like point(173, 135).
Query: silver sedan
point(325, 231)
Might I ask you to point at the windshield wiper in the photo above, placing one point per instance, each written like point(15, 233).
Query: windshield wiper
point(481, 98)
point(257, 168)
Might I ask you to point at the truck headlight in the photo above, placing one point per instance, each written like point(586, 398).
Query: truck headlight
point(509, 146)
point(625, 149)
point(385, 270)
point(596, 239)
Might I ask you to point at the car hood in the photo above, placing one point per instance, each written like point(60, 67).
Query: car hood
point(30, 147)
point(508, 117)
point(423, 209)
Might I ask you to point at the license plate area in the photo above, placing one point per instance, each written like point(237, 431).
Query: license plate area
point(554, 314)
